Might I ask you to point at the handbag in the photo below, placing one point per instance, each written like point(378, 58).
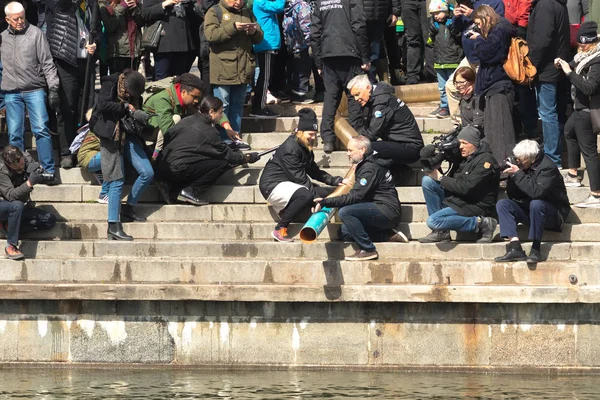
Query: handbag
point(595, 113)
point(151, 36)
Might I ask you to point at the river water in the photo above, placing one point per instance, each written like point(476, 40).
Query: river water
point(205, 384)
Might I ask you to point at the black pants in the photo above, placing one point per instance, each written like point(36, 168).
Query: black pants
point(265, 63)
point(581, 138)
point(120, 64)
point(300, 65)
point(319, 84)
point(337, 72)
point(72, 80)
point(301, 200)
point(22, 219)
point(414, 15)
point(198, 176)
point(392, 47)
point(173, 64)
point(399, 153)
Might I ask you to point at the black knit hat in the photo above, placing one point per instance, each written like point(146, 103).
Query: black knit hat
point(308, 120)
point(588, 32)
point(134, 83)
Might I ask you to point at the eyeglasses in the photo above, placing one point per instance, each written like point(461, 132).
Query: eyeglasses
point(17, 19)
point(460, 83)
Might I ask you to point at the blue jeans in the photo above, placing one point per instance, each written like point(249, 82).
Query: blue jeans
point(2, 103)
point(233, 102)
point(95, 166)
point(547, 109)
point(364, 224)
point(442, 218)
point(443, 74)
point(35, 101)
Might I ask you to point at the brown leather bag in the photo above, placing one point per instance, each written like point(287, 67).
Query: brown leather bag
point(518, 66)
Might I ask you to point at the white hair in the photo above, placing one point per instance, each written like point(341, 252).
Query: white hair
point(360, 81)
point(526, 150)
point(14, 7)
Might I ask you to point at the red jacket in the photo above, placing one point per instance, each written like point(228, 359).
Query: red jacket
point(517, 11)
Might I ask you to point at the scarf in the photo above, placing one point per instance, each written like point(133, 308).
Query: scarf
point(119, 136)
point(583, 59)
point(178, 91)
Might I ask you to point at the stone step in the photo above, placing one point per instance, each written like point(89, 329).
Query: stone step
point(301, 293)
point(298, 272)
point(291, 110)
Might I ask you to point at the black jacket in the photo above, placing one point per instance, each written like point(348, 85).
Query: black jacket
point(14, 186)
point(447, 42)
point(195, 139)
point(548, 37)
point(109, 110)
point(338, 29)
point(380, 10)
point(473, 189)
point(294, 163)
point(62, 32)
point(180, 34)
point(542, 181)
point(374, 183)
point(471, 111)
point(386, 117)
point(586, 84)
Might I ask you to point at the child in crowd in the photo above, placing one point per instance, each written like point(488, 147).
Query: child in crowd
point(447, 50)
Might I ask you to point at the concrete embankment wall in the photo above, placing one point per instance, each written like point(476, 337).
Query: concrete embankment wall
point(348, 335)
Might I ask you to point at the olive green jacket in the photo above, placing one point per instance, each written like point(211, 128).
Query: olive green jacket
point(231, 58)
point(594, 13)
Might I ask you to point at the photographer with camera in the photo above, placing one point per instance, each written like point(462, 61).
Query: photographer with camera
point(19, 173)
point(537, 197)
point(465, 200)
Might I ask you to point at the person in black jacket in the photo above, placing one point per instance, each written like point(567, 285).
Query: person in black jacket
point(388, 122)
point(194, 156)
point(465, 201)
point(287, 175)
point(537, 197)
point(371, 210)
point(338, 37)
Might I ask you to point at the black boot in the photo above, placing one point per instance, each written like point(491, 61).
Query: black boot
point(514, 252)
point(115, 232)
point(188, 195)
point(128, 215)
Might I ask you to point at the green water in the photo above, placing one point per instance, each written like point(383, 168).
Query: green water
point(203, 384)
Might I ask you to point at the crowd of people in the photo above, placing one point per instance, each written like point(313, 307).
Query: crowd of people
point(187, 133)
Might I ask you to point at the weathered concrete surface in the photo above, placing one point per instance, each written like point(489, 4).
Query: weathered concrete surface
point(268, 334)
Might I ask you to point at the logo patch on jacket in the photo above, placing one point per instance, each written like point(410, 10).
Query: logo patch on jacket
point(378, 114)
point(363, 182)
point(226, 17)
point(487, 165)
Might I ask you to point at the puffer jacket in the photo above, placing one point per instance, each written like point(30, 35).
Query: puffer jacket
point(231, 58)
point(380, 10)
point(115, 20)
point(62, 32)
point(266, 12)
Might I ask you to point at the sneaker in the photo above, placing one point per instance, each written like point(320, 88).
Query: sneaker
point(435, 112)
point(281, 235)
point(241, 145)
point(13, 253)
point(436, 237)
point(363, 255)
point(590, 202)
point(398, 237)
point(102, 198)
point(271, 99)
point(328, 147)
point(572, 181)
point(264, 113)
point(277, 99)
point(66, 162)
point(486, 227)
point(444, 113)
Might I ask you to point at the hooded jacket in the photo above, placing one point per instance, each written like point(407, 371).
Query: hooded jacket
point(374, 183)
point(473, 189)
point(542, 181)
point(294, 163)
point(266, 12)
point(388, 118)
point(548, 37)
point(14, 186)
point(339, 29)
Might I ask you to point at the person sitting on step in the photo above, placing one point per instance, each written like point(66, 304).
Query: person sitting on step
point(194, 156)
point(537, 197)
point(285, 182)
point(19, 173)
point(464, 201)
point(88, 157)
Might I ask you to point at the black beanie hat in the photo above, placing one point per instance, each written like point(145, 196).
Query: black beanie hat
point(587, 33)
point(135, 83)
point(470, 134)
point(308, 120)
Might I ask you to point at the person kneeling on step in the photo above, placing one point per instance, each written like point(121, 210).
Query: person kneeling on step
point(194, 156)
point(371, 209)
point(465, 201)
point(18, 176)
point(537, 197)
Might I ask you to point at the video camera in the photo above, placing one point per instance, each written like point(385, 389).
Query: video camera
point(443, 148)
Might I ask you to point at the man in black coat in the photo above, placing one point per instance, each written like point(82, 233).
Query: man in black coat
point(537, 197)
point(338, 37)
point(465, 201)
point(371, 210)
point(548, 38)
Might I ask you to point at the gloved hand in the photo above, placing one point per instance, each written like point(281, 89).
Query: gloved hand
point(35, 177)
point(252, 157)
point(141, 116)
point(53, 99)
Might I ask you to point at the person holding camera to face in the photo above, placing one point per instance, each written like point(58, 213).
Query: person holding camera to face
point(19, 174)
point(537, 197)
point(465, 201)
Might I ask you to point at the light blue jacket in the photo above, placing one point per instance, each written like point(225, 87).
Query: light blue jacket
point(266, 12)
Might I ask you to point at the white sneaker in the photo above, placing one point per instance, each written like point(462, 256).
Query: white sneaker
point(103, 199)
point(590, 202)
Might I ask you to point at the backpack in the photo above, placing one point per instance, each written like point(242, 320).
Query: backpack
point(518, 66)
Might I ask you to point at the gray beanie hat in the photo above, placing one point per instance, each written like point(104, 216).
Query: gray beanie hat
point(471, 135)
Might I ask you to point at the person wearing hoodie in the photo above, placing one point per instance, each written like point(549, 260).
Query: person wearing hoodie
point(548, 38)
point(371, 210)
point(465, 201)
point(388, 122)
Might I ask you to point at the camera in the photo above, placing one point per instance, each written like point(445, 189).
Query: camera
point(443, 148)
point(46, 176)
point(507, 160)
